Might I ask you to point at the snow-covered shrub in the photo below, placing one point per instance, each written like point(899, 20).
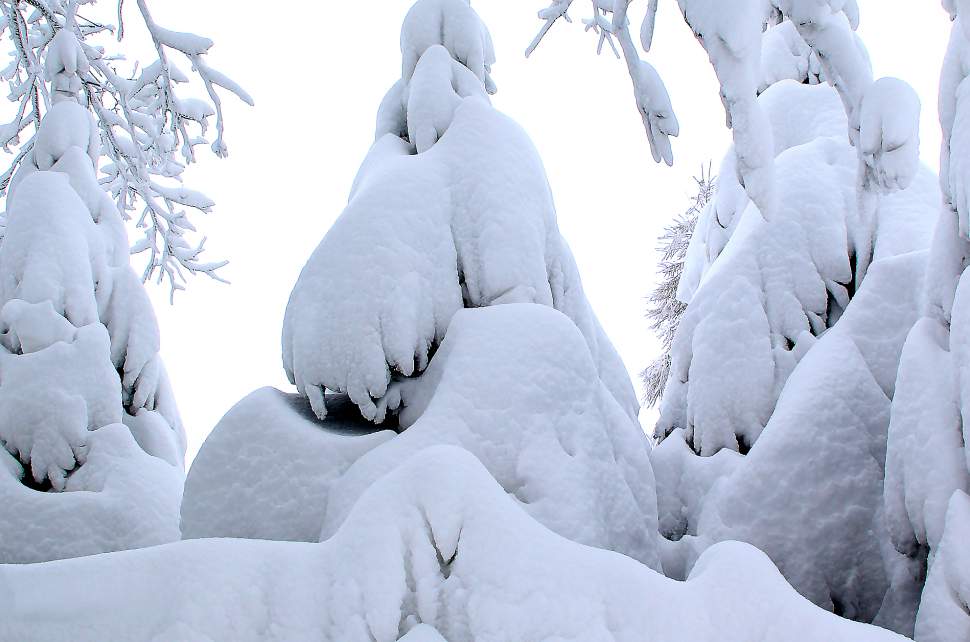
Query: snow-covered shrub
point(80, 355)
point(787, 351)
point(443, 303)
point(928, 462)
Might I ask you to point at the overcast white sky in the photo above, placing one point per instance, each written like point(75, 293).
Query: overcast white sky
point(318, 78)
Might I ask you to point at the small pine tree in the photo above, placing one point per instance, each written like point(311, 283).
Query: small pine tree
point(664, 309)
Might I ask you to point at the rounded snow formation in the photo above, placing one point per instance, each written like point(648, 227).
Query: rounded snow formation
point(810, 493)
point(451, 209)
point(515, 385)
point(120, 498)
point(434, 550)
point(266, 470)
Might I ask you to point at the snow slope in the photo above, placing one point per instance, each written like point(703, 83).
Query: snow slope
point(436, 541)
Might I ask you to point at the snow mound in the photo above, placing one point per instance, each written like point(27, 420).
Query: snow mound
point(435, 543)
point(266, 470)
point(86, 410)
point(830, 424)
point(943, 615)
point(454, 25)
point(514, 384)
point(120, 498)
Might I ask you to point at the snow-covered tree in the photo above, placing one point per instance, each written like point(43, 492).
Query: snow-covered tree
point(396, 313)
point(86, 410)
point(928, 462)
point(146, 127)
point(664, 309)
point(802, 281)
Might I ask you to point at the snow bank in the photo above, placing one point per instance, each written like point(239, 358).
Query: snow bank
point(435, 542)
point(514, 384)
point(119, 498)
point(943, 615)
point(809, 494)
point(266, 470)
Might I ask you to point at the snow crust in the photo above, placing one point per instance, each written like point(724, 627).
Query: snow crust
point(435, 543)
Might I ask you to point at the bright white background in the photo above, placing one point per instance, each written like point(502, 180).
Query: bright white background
point(318, 71)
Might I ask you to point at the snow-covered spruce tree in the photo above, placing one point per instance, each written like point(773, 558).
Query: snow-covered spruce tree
point(85, 404)
point(664, 309)
point(386, 316)
point(786, 349)
point(928, 462)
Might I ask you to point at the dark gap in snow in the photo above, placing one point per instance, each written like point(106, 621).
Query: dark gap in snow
point(743, 446)
point(851, 286)
point(837, 606)
point(409, 603)
point(43, 486)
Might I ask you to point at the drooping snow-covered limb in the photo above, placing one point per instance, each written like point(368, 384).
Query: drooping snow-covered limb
point(652, 99)
point(883, 116)
point(732, 39)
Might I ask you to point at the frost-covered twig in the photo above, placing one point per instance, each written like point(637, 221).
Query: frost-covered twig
point(664, 309)
point(148, 131)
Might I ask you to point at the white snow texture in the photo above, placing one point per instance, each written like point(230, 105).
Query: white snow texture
point(463, 460)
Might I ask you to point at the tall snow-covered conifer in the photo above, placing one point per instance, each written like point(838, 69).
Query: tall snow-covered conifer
point(86, 410)
point(928, 462)
point(664, 309)
point(802, 280)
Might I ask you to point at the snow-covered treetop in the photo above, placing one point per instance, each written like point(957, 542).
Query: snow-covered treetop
point(883, 116)
point(148, 131)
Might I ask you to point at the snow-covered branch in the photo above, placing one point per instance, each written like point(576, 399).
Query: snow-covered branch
point(148, 130)
point(608, 21)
